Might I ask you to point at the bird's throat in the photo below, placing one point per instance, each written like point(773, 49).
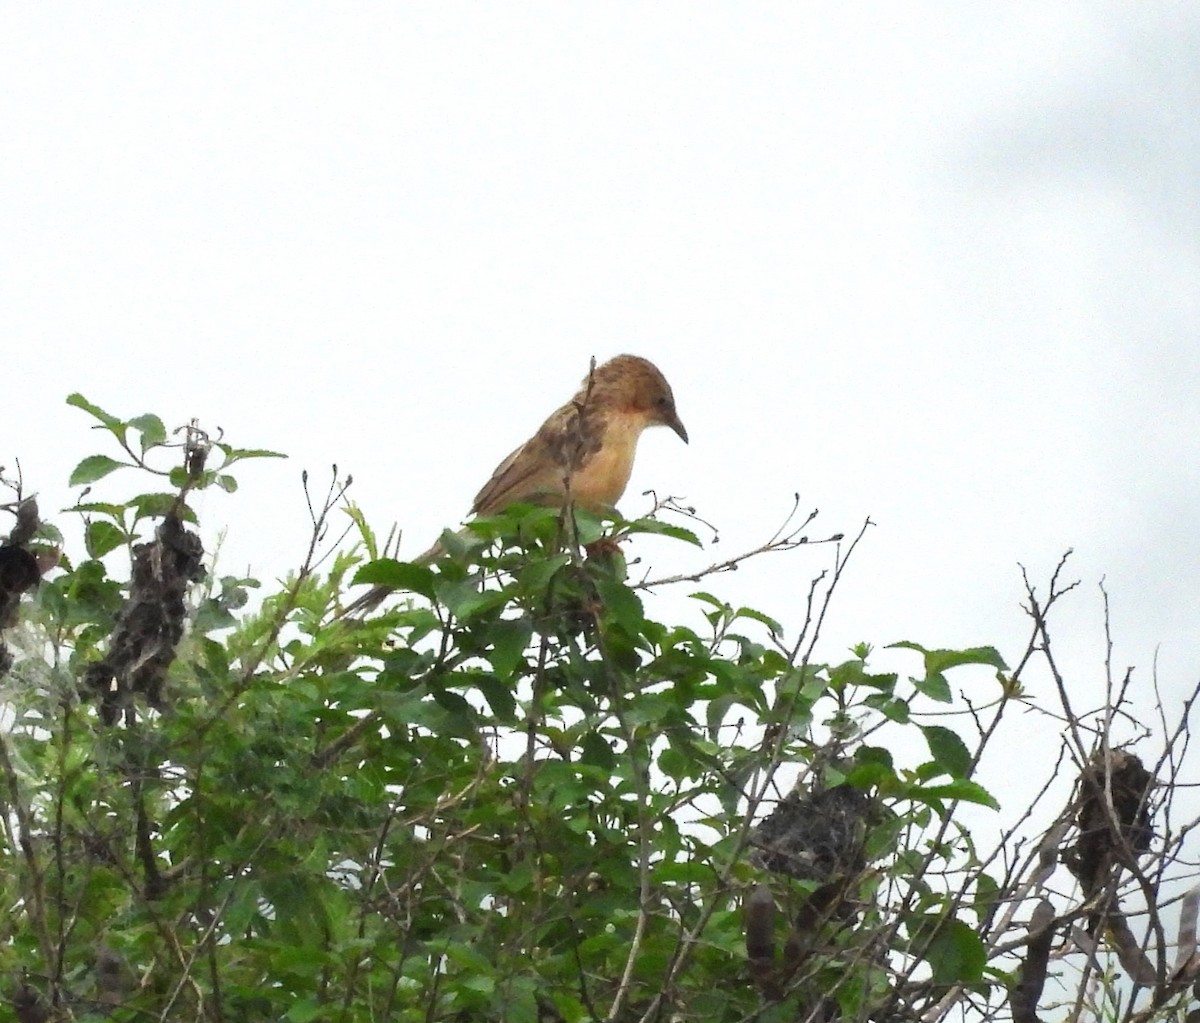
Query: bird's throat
point(601, 480)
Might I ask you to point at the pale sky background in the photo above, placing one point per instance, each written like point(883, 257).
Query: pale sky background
point(933, 263)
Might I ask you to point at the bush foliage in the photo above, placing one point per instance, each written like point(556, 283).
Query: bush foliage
point(515, 795)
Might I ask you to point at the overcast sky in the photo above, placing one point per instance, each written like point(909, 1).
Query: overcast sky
point(930, 263)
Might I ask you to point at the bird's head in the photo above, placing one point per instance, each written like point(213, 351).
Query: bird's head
point(636, 386)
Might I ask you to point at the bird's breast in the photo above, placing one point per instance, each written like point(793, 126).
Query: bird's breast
point(602, 478)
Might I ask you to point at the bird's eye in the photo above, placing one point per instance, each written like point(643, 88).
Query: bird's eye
point(664, 401)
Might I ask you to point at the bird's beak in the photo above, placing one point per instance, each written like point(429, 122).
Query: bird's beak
point(676, 424)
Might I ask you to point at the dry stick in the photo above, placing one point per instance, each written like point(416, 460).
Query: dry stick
point(535, 711)
point(1187, 969)
point(1047, 862)
point(60, 894)
point(1131, 956)
point(789, 542)
point(1171, 761)
point(1038, 614)
point(1078, 749)
point(1045, 853)
point(1185, 956)
point(189, 960)
point(376, 870)
point(309, 565)
point(955, 992)
point(161, 927)
point(689, 939)
point(641, 777)
point(952, 995)
point(1183, 729)
point(37, 906)
point(1168, 760)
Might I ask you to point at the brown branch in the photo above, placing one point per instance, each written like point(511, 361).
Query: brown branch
point(330, 752)
point(25, 824)
point(689, 938)
point(1031, 977)
point(785, 538)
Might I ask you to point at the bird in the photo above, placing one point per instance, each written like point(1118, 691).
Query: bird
point(581, 455)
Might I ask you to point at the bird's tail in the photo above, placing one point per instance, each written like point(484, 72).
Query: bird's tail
point(367, 602)
point(376, 595)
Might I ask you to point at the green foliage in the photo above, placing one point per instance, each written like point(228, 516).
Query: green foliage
point(514, 795)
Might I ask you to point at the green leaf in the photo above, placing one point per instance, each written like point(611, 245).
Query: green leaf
point(810, 682)
point(588, 528)
point(938, 661)
point(240, 454)
point(157, 506)
point(656, 709)
point(102, 537)
point(152, 430)
point(943, 660)
point(716, 711)
point(536, 573)
point(111, 422)
point(459, 544)
point(621, 604)
point(467, 958)
point(397, 575)
point(227, 483)
point(875, 755)
point(94, 467)
point(509, 639)
point(871, 773)
point(955, 952)
point(520, 1003)
point(463, 716)
point(948, 750)
point(772, 625)
point(961, 789)
point(304, 1011)
point(466, 600)
point(596, 751)
point(659, 528)
point(987, 895)
point(893, 709)
point(115, 512)
point(853, 673)
point(935, 687)
point(500, 698)
point(673, 763)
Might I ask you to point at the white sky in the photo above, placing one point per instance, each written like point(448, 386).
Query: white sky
point(925, 262)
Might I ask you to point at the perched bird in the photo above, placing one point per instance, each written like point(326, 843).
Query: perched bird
point(583, 454)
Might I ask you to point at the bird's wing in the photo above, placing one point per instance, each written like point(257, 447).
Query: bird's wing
point(536, 469)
